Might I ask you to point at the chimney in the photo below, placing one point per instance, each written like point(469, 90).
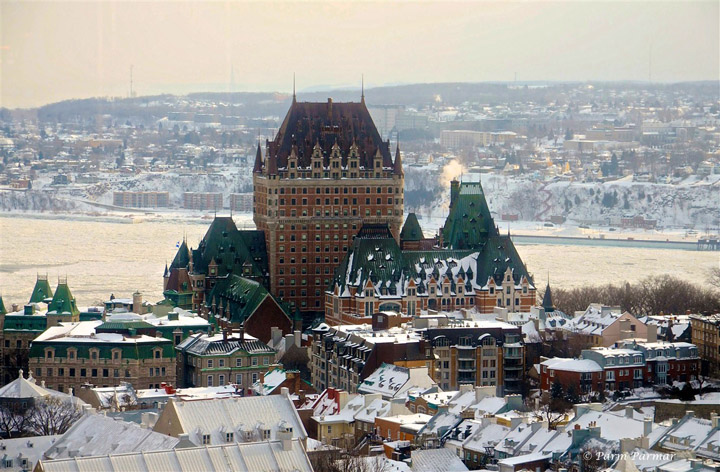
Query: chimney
point(137, 303)
point(715, 420)
point(275, 335)
point(652, 333)
point(284, 391)
point(224, 335)
point(298, 338)
point(647, 426)
point(629, 412)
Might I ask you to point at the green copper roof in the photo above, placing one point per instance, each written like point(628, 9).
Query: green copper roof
point(411, 230)
point(115, 326)
point(231, 249)
point(2, 306)
point(495, 257)
point(182, 257)
point(469, 223)
point(374, 254)
point(63, 301)
point(41, 291)
point(240, 295)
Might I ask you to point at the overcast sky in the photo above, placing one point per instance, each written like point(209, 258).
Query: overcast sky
point(52, 51)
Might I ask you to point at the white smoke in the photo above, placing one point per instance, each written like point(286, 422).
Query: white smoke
point(452, 170)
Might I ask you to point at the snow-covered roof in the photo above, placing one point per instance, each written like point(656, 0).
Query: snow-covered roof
point(84, 331)
point(436, 460)
point(572, 365)
point(94, 435)
point(242, 414)
point(268, 456)
point(31, 449)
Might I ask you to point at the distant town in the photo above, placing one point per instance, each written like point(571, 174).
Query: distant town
point(377, 316)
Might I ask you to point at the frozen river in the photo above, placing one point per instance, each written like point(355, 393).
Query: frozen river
point(108, 256)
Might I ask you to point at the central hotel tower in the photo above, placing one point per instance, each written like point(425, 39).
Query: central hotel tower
point(326, 173)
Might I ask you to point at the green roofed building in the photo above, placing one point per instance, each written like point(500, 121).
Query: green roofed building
point(473, 266)
point(62, 307)
point(236, 301)
point(223, 251)
point(72, 354)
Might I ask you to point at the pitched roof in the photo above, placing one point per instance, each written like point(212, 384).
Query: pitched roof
point(230, 249)
point(411, 230)
point(94, 435)
point(2, 306)
point(201, 344)
point(547, 302)
point(182, 257)
point(242, 414)
point(397, 165)
point(240, 295)
point(269, 456)
point(436, 460)
point(41, 291)
point(469, 223)
point(63, 301)
point(308, 124)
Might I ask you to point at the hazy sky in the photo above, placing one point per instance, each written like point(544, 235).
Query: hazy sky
point(52, 51)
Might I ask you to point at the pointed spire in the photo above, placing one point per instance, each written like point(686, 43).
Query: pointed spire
point(547, 302)
point(294, 96)
point(362, 88)
point(397, 168)
point(258, 160)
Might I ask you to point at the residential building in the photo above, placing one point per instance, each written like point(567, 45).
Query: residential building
point(706, 336)
point(668, 362)
point(343, 356)
point(23, 454)
point(583, 375)
point(202, 200)
point(326, 174)
point(604, 326)
point(241, 202)
point(394, 382)
point(23, 393)
point(480, 353)
point(141, 199)
point(690, 434)
point(215, 360)
point(229, 420)
point(72, 354)
point(284, 454)
point(96, 435)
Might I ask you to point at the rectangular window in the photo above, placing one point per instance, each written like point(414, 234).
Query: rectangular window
point(238, 362)
point(209, 362)
point(254, 361)
point(209, 380)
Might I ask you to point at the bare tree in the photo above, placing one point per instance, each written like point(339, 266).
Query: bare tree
point(715, 277)
point(334, 462)
point(51, 416)
point(552, 409)
point(12, 423)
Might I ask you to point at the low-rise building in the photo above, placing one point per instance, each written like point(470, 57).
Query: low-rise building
point(229, 358)
point(230, 420)
point(72, 354)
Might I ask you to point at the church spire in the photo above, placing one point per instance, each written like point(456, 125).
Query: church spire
point(294, 96)
point(258, 160)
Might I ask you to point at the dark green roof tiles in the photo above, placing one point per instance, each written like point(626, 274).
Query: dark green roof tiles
point(182, 257)
point(63, 301)
point(240, 295)
point(41, 291)
point(411, 230)
point(469, 223)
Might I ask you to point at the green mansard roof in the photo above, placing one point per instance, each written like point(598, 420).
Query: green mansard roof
point(41, 291)
point(469, 223)
point(374, 254)
point(241, 295)
point(231, 249)
point(63, 301)
point(411, 230)
point(2, 306)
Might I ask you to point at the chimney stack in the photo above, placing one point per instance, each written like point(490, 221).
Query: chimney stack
point(137, 303)
point(647, 426)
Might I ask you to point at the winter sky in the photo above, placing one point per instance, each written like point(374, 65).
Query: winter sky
point(55, 50)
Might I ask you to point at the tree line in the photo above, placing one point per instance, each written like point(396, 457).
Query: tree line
point(653, 295)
